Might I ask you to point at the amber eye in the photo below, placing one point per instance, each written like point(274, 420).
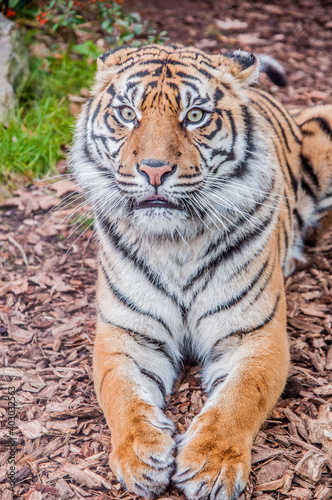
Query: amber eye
point(127, 114)
point(195, 115)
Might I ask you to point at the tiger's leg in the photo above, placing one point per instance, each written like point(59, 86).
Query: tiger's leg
point(131, 382)
point(214, 454)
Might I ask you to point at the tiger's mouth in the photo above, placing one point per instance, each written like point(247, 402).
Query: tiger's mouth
point(157, 201)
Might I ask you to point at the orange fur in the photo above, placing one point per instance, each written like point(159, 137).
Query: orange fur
point(158, 299)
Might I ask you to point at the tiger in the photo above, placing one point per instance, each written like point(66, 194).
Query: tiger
point(204, 189)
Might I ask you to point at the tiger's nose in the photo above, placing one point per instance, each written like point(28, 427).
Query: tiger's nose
point(154, 170)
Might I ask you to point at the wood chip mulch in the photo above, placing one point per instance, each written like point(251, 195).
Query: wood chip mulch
point(47, 327)
point(47, 312)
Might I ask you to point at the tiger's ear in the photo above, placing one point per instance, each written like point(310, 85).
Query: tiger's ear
point(243, 65)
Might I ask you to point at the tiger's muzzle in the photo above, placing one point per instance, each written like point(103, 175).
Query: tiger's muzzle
point(155, 171)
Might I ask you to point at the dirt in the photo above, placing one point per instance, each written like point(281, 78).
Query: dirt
point(47, 312)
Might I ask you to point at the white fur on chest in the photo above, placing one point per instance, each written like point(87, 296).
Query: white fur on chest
point(166, 295)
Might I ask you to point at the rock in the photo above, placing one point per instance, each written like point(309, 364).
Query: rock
point(14, 68)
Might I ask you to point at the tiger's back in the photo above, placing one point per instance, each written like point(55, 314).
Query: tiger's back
point(203, 190)
point(304, 154)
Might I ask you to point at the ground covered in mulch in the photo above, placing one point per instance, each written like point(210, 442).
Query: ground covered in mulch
point(47, 301)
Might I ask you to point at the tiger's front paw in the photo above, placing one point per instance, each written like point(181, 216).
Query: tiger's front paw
point(142, 458)
point(212, 464)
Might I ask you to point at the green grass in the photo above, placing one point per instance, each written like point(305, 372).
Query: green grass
point(38, 129)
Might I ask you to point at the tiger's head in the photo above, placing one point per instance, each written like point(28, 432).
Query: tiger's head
point(167, 140)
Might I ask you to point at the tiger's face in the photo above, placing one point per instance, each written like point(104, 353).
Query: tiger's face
point(166, 130)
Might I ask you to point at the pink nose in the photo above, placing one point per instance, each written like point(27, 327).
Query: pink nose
point(155, 173)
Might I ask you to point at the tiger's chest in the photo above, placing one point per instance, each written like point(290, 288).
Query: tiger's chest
point(188, 289)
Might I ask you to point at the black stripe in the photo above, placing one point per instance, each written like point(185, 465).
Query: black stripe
point(190, 176)
point(280, 127)
point(231, 155)
point(128, 66)
point(206, 124)
point(157, 380)
point(109, 128)
point(308, 169)
point(110, 369)
point(158, 71)
point(139, 74)
point(181, 74)
point(242, 168)
point(231, 251)
point(196, 146)
point(122, 183)
point(245, 266)
point(152, 376)
point(322, 123)
point(103, 380)
point(142, 339)
point(298, 217)
point(163, 62)
point(186, 184)
point(128, 303)
point(267, 117)
point(243, 331)
point(289, 211)
point(191, 85)
point(217, 382)
point(111, 90)
point(242, 219)
point(170, 103)
point(283, 112)
point(260, 325)
point(285, 235)
point(131, 85)
point(218, 125)
point(218, 94)
point(87, 152)
point(262, 288)
point(118, 122)
point(131, 255)
point(153, 84)
point(205, 73)
point(326, 195)
point(193, 54)
point(322, 210)
point(218, 152)
point(109, 52)
point(238, 298)
point(168, 73)
point(95, 113)
point(308, 190)
point(204, 145)
point(115, 154)
point(175, 87)
point(121, 174)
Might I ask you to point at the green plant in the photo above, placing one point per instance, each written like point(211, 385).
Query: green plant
point(26, 8)
point(35, 136)
point(39, 130)
point(121, 27)
point(88, 49)
point(109, 19)
point(63, 13)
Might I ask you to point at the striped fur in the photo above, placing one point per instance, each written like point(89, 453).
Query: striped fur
point(197, 222)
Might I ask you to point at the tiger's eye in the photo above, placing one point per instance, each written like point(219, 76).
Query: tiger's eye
point(195, 115)
point(128, 114)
